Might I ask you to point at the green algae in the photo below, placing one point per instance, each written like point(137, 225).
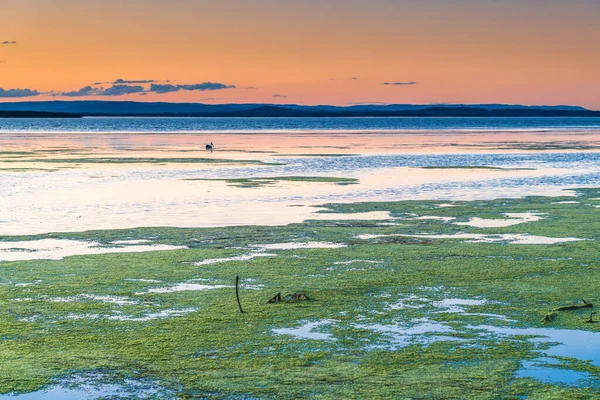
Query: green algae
point(478, 167)
point(215, 351)
point(319, 155)
point(260, 182)
point(29, 169)
point(142, 160)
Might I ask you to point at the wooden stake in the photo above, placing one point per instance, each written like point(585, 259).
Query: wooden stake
point(237, 294)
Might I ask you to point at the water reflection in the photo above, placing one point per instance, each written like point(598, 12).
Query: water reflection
point(106, 196)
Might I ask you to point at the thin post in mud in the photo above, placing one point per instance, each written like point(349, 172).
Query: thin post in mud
point(237, 293)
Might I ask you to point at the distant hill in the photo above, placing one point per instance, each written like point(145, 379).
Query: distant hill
point(278, 111)
point(36, 114)
point(124, 108)
point(131, 108)
point(414, 107)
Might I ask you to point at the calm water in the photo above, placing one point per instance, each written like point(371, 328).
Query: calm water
point(293, 124)
point(132, 195)
point(40, 196)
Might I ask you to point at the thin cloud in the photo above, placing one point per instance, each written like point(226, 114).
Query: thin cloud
point(119, 87)
point(354, 78)
point(367, 103)
point(160, 88)
point(120, 90)
point(123, 81)
point(204, 86)
point(8, 42)
point(12, 93)
point(399, 83)
point(280, 96)
point(115, 90)
point(85, 91)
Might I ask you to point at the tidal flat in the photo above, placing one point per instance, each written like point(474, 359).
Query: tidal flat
point(388, 317)
point(418, 272)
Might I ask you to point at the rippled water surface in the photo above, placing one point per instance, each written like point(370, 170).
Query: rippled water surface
point(49, 182)
point(110, 124)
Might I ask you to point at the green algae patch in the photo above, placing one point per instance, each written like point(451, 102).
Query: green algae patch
point(386, 318)
point(553, 146)
point(259, 182)
point(142, 160)
point(29, 169)
point(478, 167)
point(318, 155)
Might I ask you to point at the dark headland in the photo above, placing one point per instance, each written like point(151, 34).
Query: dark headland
point(73, 109)
point(35, 114)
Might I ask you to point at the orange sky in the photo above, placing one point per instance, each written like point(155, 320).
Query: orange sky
point(467, 51)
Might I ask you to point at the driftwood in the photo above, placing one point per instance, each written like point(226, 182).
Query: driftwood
point(576, 307)
point(591, 320)
point(549, 318)
point(275, 299)
point(290, 298)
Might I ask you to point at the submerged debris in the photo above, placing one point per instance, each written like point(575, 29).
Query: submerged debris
point(290, 298)
point(548, 318)
point(576, 307)
point(591, 320)
point(275, 299)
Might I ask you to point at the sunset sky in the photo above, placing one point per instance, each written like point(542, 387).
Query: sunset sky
point(304, 52)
